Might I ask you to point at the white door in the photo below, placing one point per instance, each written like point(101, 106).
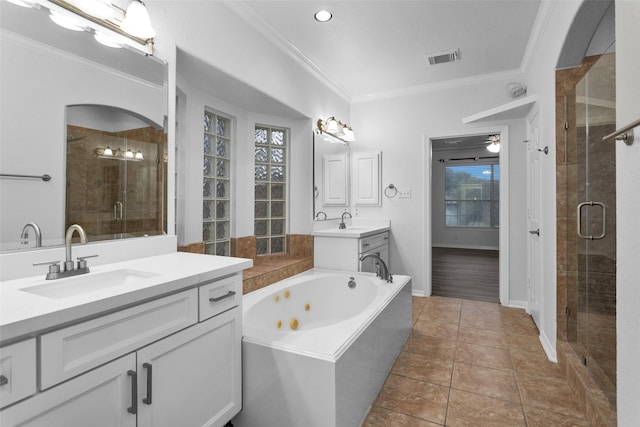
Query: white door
point(192, 378)
point(534, 259)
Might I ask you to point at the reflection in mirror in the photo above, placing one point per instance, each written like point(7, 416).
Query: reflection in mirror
point(331, 178)
point(45, 68)
point(116, 173)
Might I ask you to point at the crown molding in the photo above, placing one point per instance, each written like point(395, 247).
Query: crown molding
point(443, 85)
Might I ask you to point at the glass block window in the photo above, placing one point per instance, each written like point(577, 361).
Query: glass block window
point(216, 185)
point(472, 195)
point(270, 211)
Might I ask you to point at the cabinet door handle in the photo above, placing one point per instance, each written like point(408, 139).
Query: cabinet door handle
point(3, 380)
point(133, 409)
point(227, 295)
point(149, 368)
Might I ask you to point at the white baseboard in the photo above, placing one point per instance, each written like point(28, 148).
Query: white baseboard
point(549, 348)
point(418, 293)
point(517, 304)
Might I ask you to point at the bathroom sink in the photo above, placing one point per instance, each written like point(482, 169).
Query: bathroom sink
point(77, 285)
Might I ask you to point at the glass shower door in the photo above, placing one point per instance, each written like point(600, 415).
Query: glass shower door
point(595, 239)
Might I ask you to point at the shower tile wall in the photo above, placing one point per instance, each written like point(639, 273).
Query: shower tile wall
point(93, 184)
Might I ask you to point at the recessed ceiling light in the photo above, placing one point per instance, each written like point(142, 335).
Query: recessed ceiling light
point(323, 16)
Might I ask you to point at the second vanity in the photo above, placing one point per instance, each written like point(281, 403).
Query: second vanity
point(341, 249)
point(131, 343)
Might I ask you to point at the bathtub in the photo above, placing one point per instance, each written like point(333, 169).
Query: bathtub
point(316, 351)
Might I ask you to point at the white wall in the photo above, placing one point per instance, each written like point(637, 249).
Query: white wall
point(400, 128)
point(541, 82)
point(628, 206)
point(37, 83)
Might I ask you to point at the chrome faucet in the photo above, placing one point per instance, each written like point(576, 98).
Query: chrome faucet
point(323, 213)
point(342, 225)
point(69, 268)
point(24, 236)
point(68, 263)
point(381, 268)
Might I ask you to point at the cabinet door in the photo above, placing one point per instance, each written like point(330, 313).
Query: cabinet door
point(366, 178)
point(192, 378)
point(98, 398)
point(335, 180)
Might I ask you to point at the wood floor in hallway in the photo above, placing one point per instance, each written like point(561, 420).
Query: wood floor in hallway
point(474, 363)
point(465, 273)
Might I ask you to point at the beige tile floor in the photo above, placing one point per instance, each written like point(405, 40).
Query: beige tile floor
point(473, 363)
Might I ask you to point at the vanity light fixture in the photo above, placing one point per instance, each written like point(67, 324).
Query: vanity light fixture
point(110, 24)
point(336, 129)
point(323, 16)
point(118, 154)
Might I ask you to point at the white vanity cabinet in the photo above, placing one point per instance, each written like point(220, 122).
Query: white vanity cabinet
point(172, 361)
point(333, 251)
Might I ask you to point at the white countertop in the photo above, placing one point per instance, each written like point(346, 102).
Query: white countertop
point(356, 228)
point(353, 232)
point(24, 314)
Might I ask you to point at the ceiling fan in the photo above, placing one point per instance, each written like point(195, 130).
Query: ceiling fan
point(494, 143)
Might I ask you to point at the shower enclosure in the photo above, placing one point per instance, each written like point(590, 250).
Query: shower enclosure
point(589, 110)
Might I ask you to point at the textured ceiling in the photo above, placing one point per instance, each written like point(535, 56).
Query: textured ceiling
point(379, 46)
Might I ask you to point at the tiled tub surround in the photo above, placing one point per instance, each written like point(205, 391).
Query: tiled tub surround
point(473, 363)
point(270, 269)
point(329, 368)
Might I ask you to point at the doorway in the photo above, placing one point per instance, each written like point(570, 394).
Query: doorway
point(465, 213)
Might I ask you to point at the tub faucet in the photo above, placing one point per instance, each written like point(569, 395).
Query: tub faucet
point(24, 236)
point(68, 264)
point(381, 268)
point(342, 225)
point(323, 213)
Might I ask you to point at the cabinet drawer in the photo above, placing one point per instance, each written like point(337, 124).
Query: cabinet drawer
point(78, 348)
point(220, 295)
point(377, 240)
point(17, 371)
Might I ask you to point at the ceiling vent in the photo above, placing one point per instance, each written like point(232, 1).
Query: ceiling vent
point(443, 57)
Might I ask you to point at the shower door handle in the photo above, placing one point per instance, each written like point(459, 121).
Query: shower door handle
point(604, 220)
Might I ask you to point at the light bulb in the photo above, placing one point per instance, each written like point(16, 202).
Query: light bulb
point(66, 21)
point(107, 151)
point(22, 3)
point(129, 154)
point(99, 8)
point(139, 155)
point(137, 22)
point(332, 125)
point(494, 147)
point(106, 40)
